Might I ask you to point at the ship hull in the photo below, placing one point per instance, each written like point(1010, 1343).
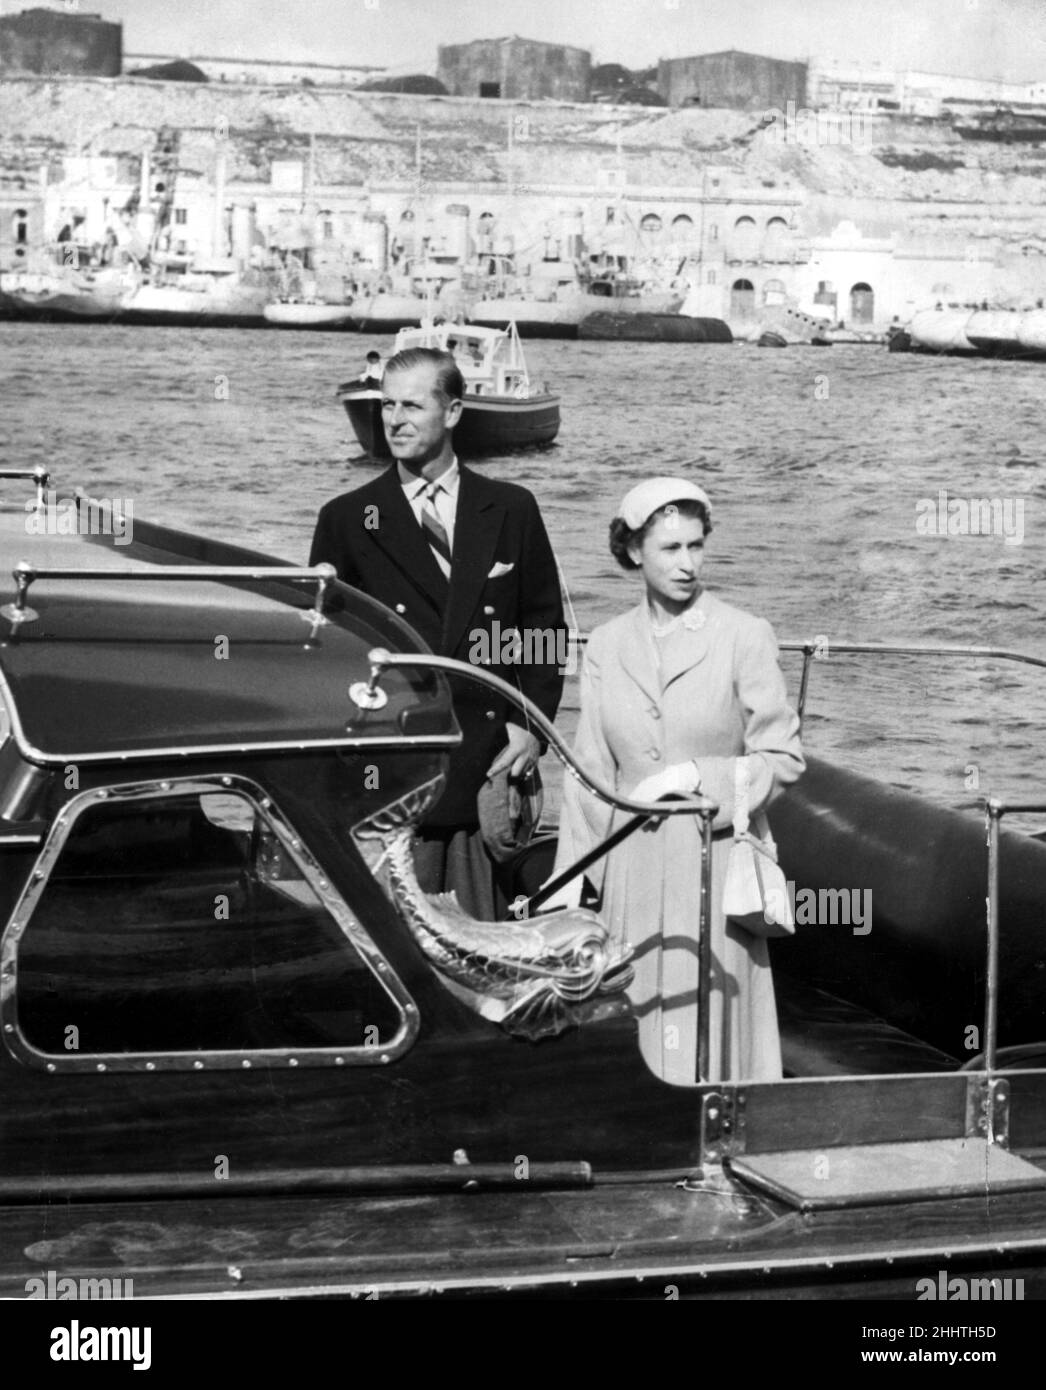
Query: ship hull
point(159, 306)
point(317, 317)
point(562, 318)
point(493, 425)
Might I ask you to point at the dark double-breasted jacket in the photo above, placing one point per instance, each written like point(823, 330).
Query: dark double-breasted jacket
point(503, 580)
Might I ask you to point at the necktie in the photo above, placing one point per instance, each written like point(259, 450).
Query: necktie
point(435, 531)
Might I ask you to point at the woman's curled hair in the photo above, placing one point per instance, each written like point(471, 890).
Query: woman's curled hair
point(622, 535)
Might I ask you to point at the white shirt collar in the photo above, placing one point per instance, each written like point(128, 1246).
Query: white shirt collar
point(414, 486)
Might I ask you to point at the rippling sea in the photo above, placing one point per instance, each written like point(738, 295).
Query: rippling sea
point(815, 459)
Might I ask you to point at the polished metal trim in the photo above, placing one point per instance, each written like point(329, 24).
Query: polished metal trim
point(40, 476)
point(812, 647)
point(206, 750)
point(25, 573)
point(994, 1116)
point(380, 660)
point(294, 846)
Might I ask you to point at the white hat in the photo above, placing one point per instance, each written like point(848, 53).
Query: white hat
point(646, 498)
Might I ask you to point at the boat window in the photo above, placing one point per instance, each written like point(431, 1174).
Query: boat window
point(192, 921)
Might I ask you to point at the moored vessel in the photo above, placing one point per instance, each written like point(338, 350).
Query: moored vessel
point(65, 294)
point(995, 332)
point(212, 293)
point(940, 330)
point(653, 328)
point(303, 313)
point(410, 1103)
point(502, 410)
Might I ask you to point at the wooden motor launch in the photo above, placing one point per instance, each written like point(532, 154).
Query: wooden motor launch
point(244, 1055)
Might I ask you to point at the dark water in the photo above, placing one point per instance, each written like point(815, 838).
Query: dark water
point(815, 460)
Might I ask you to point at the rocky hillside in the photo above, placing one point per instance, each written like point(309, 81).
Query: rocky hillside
point(374, 137)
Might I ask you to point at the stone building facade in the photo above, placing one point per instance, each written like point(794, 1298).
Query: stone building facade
point(61, 43)
point(744, 81)
point(515, 69)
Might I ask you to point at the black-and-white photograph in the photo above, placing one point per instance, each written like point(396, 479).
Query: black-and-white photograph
point(522, 681)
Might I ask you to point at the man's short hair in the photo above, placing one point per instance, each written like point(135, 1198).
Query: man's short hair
point(450, 384)
point(373, 356)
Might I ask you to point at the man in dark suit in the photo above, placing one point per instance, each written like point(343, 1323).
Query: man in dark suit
point(465, 560)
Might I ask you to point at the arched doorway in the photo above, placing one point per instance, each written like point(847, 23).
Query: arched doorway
point(742, 299)
point(862, 304)
point(774, 292)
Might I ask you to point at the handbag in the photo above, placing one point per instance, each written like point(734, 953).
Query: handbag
point(509, 809)
point(755, 894)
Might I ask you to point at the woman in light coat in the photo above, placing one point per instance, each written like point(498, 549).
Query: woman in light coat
point(673, 692)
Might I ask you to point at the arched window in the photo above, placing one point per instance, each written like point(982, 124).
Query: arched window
point(683, 226)
point(744, 241)
point(776, 241)
point(774, 292)
point(742, 299)
point(650, 223)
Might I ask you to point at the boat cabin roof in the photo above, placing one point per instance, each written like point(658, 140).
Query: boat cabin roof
point(110, 652)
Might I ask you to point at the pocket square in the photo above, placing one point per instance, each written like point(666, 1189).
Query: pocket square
point(501, 568)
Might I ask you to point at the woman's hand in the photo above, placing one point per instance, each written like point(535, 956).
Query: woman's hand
point(568, 896)
point(681, 779)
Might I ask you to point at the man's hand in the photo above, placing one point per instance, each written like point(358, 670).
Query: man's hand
point(520, 754)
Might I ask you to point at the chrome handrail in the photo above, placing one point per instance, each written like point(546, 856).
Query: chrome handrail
point(25, 574)
point(821, 647)
point(40, 476)
point(381, 660)
point(995, 807)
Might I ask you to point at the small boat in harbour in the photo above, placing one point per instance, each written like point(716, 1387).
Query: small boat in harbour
point(1031, 332)
point(1004, 333)
point(304, 313)
point(940, 330)
point(503, 409)
point(772, 339)
point(995, 332)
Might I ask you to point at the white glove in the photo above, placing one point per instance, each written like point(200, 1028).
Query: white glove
point(682, 778)
point(568, 896)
